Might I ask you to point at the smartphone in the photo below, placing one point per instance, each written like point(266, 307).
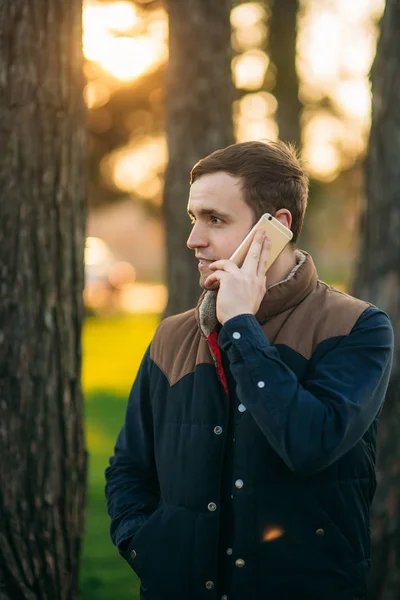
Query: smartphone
point(280, 236)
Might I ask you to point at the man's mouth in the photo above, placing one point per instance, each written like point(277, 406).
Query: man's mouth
point(204, 263)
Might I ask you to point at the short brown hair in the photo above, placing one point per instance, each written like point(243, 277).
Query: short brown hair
point(272, 177)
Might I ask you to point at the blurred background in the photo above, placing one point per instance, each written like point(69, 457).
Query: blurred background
point(326, 100)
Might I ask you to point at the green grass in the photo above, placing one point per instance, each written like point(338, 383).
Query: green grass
point(113, 349)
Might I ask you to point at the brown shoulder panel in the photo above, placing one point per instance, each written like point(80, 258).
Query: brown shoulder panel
point(323, 314)
point(178, 346)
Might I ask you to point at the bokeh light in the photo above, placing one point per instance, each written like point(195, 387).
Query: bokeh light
point(125, 57)
point(249, 69)
point(97, 253)
point(120, 16)
point(272, 533)
point(136, 167)
point(258, 106)
point(96, 93)
point(335, 49)
point(124, 41)
point(247, 15)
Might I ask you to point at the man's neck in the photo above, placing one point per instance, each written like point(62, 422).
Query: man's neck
point(283, 265)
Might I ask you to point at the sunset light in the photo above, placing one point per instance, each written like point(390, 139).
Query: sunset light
point(249, 69)
point(335, 49)
point(136, 168)
point(120, 16)
point(96, 93)
point(247, 15)
point(128, 58)
point(144, 46)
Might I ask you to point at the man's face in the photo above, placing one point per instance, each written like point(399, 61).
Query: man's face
point(220, 216)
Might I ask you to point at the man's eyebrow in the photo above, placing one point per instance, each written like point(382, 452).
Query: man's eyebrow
point(210, 211)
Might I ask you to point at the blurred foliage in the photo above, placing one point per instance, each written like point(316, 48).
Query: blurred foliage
point(125, 43)
point(113, 350)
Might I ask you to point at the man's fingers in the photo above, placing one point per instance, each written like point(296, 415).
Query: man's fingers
point(224, 265)
point(214, 278)
point(250, 264)
point(264, 256)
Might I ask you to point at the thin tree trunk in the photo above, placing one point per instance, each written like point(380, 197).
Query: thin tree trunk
point(199, 120)
point(282, 51)
point(378, 280)
point(42, 172)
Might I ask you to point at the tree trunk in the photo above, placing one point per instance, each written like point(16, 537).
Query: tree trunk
point(282, 52)
point(42, 173)
point(378, 280)
point(198, 121)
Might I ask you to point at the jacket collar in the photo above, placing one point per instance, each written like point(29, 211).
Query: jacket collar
point(278, 298)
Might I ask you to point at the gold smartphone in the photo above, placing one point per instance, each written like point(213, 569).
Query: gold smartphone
point(280, 236)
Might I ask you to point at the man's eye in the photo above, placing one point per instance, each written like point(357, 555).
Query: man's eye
point(215, 220)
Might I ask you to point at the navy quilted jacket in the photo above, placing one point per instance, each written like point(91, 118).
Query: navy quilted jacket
point(245, 466)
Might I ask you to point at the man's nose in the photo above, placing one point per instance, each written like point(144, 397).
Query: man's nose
point(196, 238)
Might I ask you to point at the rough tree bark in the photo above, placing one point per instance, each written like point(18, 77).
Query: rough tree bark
point(198, 121)
point(42, 172)
point(378, 281)
point(282, 52)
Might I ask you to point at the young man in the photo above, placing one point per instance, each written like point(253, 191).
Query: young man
point(245, 467)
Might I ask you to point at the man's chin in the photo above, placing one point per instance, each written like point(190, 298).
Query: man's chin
point(202, 281)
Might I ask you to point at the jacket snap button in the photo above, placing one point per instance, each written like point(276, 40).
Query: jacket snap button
point(320, 532)
point(212, 506)
point(239, 483)
point(133, 555)
point(229, 551)
point(209, 585)
point(240, 563)
point(241, 408)
point(236, 335)
point(217, 430)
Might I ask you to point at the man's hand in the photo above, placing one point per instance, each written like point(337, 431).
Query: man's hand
point(241, 290)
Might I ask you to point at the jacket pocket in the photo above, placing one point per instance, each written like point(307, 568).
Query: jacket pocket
point(160, 551)
point(296, 535)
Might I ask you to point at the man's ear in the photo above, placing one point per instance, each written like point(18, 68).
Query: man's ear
point(284, 216)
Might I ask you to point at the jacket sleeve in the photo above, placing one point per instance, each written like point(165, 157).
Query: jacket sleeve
point(311, 425)
point(132, 488)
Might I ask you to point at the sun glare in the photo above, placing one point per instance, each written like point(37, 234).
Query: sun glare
point(126, 57)
point(96, 35)
point(120, 16)
point(335, 48)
